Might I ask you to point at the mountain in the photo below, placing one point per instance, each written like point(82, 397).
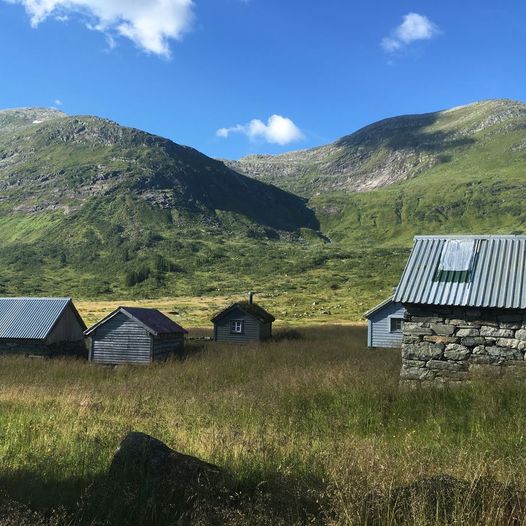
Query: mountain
point(50, 161)
point(91, 207)
point(399, 149)
point(94, 209)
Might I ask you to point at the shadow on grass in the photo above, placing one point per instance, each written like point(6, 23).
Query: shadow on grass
point(26, 499)
point(258, 499)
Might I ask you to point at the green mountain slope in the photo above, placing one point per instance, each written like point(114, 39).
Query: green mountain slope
point(50, 161)
point(402, 148)
point(94, 209)
point(90, 207)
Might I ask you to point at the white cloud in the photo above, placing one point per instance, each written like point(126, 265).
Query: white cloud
point(278, 130)
point(413, 27)
point(58, 102)
point(150, 24)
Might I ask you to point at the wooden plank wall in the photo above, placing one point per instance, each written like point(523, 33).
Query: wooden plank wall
point(163, 347)
point(251, 328)
point(380, 334)
point(121, 340)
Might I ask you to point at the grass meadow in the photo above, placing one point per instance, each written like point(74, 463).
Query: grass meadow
point(315, 421)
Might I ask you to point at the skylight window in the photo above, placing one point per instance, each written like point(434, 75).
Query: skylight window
point(456, 261)
point(457, 255)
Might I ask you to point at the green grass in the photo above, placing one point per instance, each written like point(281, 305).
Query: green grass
point(318, 422)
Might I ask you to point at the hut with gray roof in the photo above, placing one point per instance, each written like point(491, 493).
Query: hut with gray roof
point(384, 324)
point(40, 326)
point(134, 335)
point(243, 322)
point(465, 302)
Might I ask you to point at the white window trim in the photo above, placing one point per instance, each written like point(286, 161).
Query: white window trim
point(234, 324)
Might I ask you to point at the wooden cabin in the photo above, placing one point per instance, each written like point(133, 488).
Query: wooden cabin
point(134, 335)
point(41, 326)
point(243, 322)
point(384, 324)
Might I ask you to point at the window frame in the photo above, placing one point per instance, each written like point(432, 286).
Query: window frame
point(393, 318)
point(237, 323)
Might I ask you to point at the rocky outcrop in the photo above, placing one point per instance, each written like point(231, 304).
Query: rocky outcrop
point(386, 152)
point(448, 344)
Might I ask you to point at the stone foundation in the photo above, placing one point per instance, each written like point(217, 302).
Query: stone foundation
point(451, 344)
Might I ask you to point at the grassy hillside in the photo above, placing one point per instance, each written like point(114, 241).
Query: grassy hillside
point(91, 208)
point(103, 212)
point(478, 190)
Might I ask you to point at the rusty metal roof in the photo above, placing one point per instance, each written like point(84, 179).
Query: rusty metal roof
point(496, 277)
point(31, 318)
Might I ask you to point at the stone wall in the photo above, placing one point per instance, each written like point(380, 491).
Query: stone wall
point(451, 344)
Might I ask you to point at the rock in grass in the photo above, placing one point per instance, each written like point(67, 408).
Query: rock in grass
point(149, 483)
point(141, 458)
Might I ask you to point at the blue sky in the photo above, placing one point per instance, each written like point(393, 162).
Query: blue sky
point(211, 73)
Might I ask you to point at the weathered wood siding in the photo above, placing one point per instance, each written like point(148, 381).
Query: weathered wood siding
point(265, 331)
point(121, 340)
point(379, 327)
point(251, 328)
point(68, 329)
point(163, 347)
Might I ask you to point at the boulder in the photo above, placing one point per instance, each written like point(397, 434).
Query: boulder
point(142, 457)
point(150, 483)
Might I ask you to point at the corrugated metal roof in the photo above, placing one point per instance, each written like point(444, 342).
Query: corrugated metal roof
point(497, 277)
point(29, 318)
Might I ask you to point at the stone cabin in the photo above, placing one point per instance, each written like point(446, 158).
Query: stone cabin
point(243, 322)
point(465, 302)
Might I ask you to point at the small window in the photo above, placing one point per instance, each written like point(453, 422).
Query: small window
point(236, 327)
point(396, 324)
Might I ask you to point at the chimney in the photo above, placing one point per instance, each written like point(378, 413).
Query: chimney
point(250, 298)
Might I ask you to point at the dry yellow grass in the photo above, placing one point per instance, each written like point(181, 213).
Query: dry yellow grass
point(192, 311)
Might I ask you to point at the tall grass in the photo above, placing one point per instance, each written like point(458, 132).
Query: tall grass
point(315, 419)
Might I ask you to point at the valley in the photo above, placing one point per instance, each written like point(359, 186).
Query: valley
point(108, 213)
